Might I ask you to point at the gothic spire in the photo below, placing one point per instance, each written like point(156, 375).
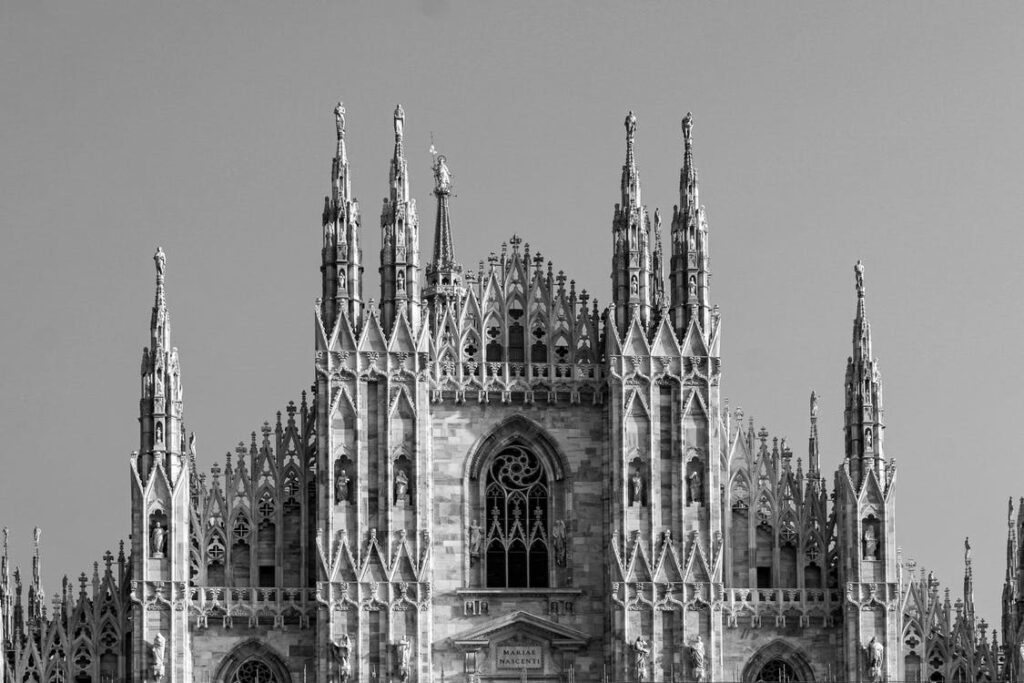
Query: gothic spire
point(160, 408)
point(658, 267)
point(400, 250)
point(968, 583)
point(812, 447)
point(444, 274)
point(631, 259)
point(341, 259)
point(690, 263)
point(864, 413)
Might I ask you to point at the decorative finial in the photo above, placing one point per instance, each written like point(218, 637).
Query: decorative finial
point(859, 273)
point(339, 119)
point(688, 128)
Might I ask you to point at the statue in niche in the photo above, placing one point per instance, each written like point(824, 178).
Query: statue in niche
point(693, 286)
point(341, 487)
point(476, 540)
point(401, 486)
point(634, 286)
point(404, 648)
point(158, 439)
point(869, 441)
point(558, 541)
point(875, 650)
point(401, 281)
point(636, 487)
point(695, 485)
point(697, 660)
point(870, 540)
point(641, 653)
point(157, 538)
point(158, 656)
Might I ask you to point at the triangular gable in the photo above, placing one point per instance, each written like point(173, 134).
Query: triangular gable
point(636, 340)
point(693, 341)
point(342, 337)
point(401, 337)
point(665, 343)
point(523, 621)
point(372, 339)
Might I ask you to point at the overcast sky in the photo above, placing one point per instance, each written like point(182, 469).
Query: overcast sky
point(824, 133)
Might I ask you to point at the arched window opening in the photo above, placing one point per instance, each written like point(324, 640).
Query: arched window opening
point(517, 499)
point(254, 671)
point(912, 668)
point(776, 671)
point(494, 350)
point(539, 348)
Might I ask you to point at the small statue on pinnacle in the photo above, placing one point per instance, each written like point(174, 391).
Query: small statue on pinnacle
point(161, 262)
point(339, 119)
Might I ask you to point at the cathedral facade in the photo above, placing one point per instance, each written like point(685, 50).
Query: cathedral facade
point(493, 478)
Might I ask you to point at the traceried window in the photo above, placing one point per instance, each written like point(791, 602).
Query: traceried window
point(253, 671)
point(518, 501)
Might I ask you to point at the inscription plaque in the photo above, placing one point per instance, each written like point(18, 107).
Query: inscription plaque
point(518, 656)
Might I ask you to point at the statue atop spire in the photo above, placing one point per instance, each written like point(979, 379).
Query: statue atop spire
point(814, 405)
point(858, 271)
point(339, 119)
point(688, 129)
point(630, 127)
point(160, 258)
point(442, 176)
point(399, 123)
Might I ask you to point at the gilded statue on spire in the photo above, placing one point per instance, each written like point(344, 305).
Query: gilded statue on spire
point(442, 176)
point(339, 119)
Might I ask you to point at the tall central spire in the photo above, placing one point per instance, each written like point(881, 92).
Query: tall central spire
point(400, 241)
point(631, 256)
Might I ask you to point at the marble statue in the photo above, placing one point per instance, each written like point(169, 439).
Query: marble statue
point(156, 540)
point(475, 540)
point(158, 656)
point(641, 653)
point(558, 541)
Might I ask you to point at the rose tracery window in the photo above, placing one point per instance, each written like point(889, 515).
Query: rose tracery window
point(254, 671)
point(517, 500)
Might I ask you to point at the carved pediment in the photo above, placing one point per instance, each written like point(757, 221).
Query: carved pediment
point(521, 626)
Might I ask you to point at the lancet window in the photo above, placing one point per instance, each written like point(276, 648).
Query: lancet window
point(517, 496)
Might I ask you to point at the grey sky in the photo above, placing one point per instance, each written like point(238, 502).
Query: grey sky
point(824, 133)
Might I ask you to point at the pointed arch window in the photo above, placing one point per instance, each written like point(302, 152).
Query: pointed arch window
point(517, 496)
